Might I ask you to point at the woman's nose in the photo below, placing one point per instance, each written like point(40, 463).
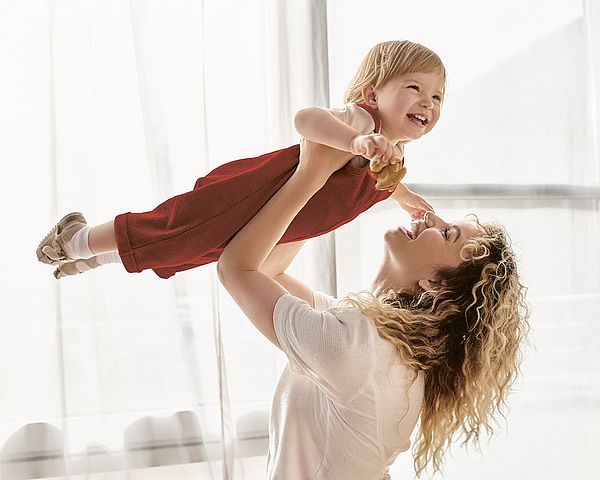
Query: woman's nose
point(429, 218)
point(432, 220)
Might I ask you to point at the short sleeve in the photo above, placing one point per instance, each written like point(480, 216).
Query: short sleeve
point(356, 117)
point(323, 301)
point(334, 348)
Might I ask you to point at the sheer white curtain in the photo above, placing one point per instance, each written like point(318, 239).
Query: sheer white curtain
point(114, 106)
point(516, 143)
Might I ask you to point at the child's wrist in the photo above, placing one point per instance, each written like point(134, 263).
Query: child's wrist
point(401, 190)
point(352, 146)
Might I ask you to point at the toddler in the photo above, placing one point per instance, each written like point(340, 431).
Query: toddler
point(395, 97)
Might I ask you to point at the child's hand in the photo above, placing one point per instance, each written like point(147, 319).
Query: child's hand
point(385, 159)
point(375, 147)
point(413, 203)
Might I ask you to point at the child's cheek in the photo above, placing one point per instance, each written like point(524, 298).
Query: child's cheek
point(432, 124)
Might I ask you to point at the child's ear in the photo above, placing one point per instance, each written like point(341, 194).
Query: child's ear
point(369, 95)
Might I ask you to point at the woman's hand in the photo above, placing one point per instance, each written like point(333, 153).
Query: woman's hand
point(320, 160)
point(411, 202)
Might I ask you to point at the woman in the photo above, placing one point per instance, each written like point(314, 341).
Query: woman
point(439, 336)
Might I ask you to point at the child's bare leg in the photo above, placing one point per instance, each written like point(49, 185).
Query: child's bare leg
point(102, 238)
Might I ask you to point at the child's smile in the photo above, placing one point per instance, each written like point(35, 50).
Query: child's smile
point(409, 105)
point(418, 119)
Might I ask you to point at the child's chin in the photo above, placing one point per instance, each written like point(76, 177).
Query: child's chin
point(415, 136)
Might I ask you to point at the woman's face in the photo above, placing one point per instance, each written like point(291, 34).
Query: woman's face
point(412, 257)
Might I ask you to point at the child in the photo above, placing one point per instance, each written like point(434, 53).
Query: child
point(395, 97)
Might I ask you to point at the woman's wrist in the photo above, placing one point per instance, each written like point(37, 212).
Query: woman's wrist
point(249, 248)
point(312, 178)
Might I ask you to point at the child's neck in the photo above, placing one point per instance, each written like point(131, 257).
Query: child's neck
point(394, 141)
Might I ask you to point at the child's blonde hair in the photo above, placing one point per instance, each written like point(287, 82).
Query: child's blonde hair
point(389, 59)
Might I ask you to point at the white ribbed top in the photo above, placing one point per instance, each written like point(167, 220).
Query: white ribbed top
point(343, 408)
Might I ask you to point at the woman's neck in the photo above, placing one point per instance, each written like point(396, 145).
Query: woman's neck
point(380, 284)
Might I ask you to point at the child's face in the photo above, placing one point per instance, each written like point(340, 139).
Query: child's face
point(409, 105)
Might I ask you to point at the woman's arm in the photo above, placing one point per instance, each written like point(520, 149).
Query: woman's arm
point(276, 264)
point(239, 266)
point(280, 258)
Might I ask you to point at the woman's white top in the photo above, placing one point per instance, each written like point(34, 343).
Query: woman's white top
point(343, 409)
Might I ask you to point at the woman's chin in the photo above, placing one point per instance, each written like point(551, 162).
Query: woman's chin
point(396, 234)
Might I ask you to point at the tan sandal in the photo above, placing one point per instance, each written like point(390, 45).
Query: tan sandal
point(76, 267)
point(50, 250)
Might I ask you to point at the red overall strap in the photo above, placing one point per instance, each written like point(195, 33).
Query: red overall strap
point(374, 114)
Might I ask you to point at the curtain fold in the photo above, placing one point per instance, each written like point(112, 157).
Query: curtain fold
point(113, 106)
point(591, 21)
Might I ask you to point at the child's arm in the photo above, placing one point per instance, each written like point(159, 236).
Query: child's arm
point(411, 202)
point(321, 126)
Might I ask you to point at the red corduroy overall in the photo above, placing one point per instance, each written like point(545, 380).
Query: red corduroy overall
point(192, 229)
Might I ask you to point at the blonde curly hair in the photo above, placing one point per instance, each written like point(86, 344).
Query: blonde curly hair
point(467, 338)
point(389, 59)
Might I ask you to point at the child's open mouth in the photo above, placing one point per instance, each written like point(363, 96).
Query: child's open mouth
point(417, 119)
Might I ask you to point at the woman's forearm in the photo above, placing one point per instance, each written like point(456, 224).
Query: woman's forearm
point(321, 126)
point(250, 246)
point(255, 292)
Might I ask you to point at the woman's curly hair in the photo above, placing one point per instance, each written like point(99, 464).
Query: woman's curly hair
point(466, 336)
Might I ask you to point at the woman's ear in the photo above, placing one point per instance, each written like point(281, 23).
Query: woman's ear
point(428, 284)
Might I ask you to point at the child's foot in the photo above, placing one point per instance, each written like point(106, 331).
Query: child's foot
point(75, 267)
point(51, 249)
point(84, 264)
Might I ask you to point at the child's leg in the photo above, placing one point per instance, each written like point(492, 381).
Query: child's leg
point(102, 238)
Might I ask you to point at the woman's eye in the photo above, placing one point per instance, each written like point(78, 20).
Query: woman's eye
point(446, 233)
point(416, 87)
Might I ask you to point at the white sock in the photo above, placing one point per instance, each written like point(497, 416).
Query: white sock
point(78, 246)
point(109, 257)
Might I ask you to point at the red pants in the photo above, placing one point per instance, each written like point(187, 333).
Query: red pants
point(192, 229)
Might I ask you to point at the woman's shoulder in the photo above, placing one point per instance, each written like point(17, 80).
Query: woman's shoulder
point(360, 329)
point(344, 326)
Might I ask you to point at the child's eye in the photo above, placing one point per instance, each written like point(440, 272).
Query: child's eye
point(416, 87)
point(437, 98)
point(446, 233)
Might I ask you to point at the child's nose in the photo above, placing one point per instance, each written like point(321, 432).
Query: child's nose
point(427, 103)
